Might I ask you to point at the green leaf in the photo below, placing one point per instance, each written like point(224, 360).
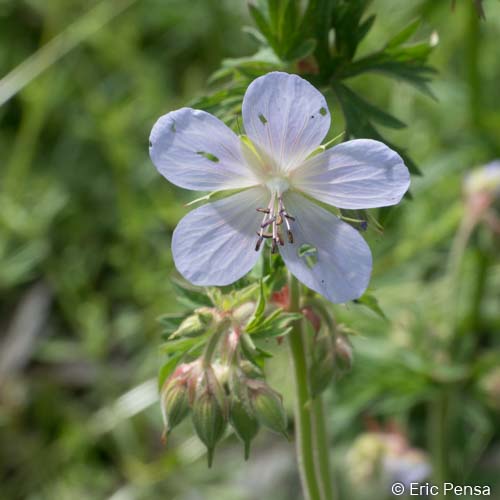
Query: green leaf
point(255, 35)
point(349, 29)
point(302, 50)
point(251, 352)
point(170, 322)
point(259, 309)
point(252, 328)
point(263, 354)
point(274, 8)
point(316, 23)
point(289, 19)
point(276, 324)
point(182, 345)
point(224, 97)
point(191, 297)
point(401, 37)
point(371, 111)
point(365, 27)
point(404, 63)
point(370, 301)
point(263, 24)
point(358, 124)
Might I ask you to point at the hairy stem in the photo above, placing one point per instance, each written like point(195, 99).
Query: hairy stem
point(322, 455)
point(212, 343)
point(310, 435)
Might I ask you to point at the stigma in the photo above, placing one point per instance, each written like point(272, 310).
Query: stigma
point(276, 223)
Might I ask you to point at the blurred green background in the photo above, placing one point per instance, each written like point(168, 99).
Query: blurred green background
point(85, 265)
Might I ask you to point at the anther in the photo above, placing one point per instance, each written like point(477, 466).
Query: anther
point(264, 235)
point(267, 222)
point(275, 216)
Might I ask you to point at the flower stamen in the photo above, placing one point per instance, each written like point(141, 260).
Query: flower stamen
point(275, 215)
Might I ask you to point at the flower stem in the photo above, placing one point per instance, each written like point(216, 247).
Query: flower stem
point(212, 344)
point(322, 455)
point(311, 442)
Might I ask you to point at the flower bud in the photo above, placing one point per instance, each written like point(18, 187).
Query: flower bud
point(244, 312)
point(268, 406)
point(211, 380)
point(242, 416)
point(244, 422)
point(343, 354)
point(209, 412)
point(175, 405)
point(196, 324)
point(250, 370)
point(313, 317)
point(322, 367)
point(175, 397)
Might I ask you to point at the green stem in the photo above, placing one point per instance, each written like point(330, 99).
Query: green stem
point(311, 442)
point(322, 455)
point(213, 342)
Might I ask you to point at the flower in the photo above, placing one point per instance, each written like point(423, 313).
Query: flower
point(485, 179)
point(482, 196)
point(279, 170)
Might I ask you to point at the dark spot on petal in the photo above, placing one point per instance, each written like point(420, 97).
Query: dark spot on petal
point(322, 282)
point(312, 116)
point(173, 128)
point(262, 119)
point(322, 111)
point(150, 144)
point(208, 156)
point(309, 254)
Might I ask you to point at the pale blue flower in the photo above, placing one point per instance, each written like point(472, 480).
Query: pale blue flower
point(485, 179)
point(285, 119)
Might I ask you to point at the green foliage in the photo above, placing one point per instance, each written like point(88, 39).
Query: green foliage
point(370, 301)
point(85, 227)
point(321, 43)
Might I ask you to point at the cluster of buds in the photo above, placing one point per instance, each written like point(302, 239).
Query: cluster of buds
point(218, 395)
point(196, 389)
point(220, 388)
point(254, 403)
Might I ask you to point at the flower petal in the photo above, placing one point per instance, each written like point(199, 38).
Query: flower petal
point(356, 174)
point(195, 150)
point(215, 244)
point(286, 117)
point(327, 254)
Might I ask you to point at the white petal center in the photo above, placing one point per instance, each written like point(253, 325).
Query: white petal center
point(278, 185)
